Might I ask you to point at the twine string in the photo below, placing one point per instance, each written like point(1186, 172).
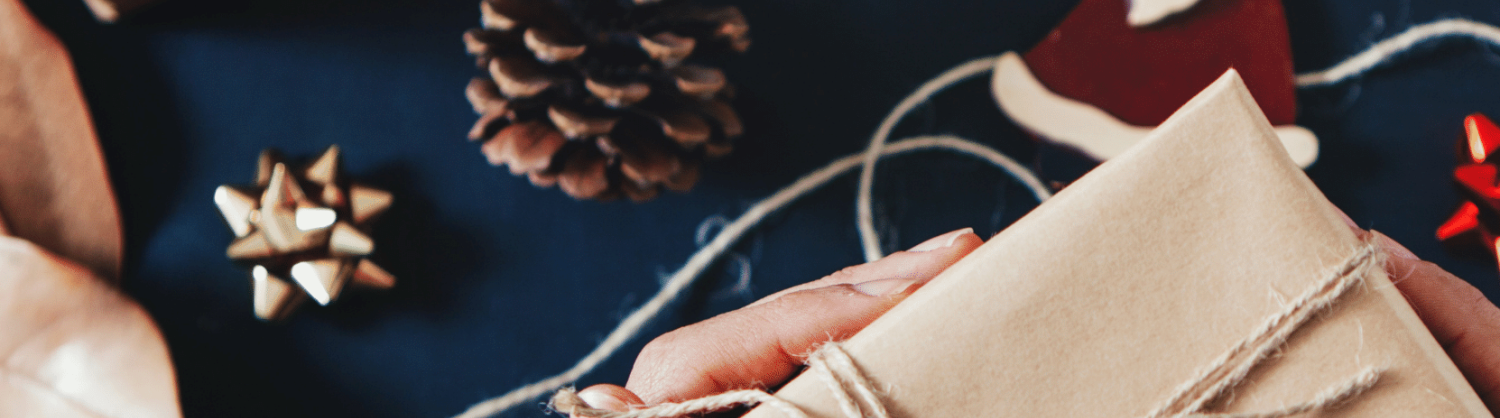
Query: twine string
point(835, 363)
point(854, 393)
point(818, 366)
point(864, 212)
point(1352, 387)
point(1383, 51)
point(1235, 364)
point(856, 396)
point(567, 401)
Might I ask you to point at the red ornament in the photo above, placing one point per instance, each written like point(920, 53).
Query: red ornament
point(1143, 74)
point(1474, 224)
point(1114, 69)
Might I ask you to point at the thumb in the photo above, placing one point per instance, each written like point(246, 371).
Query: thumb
point(1461, 318)
point(763, 344)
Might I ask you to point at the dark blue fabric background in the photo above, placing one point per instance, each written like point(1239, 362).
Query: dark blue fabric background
point(502, 284)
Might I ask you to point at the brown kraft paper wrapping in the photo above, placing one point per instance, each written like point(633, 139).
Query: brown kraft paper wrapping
point(1104, 299)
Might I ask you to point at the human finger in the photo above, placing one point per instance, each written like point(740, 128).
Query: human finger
point(1460, 317)
point(763, 344)
point(609, 397)
point(919, 261)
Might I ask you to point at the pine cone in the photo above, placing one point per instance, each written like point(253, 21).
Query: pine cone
point(604, 98)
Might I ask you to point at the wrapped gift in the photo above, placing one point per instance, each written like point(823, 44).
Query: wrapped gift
point(1195, 273)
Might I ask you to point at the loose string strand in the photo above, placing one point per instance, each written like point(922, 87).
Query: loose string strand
point(863, 206)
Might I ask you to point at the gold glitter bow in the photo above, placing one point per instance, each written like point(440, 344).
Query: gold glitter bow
point(311, 225)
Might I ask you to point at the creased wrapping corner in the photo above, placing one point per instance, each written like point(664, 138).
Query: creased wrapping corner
point(1133, 279)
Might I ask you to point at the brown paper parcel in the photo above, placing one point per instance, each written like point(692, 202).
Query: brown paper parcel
point(1104, 299)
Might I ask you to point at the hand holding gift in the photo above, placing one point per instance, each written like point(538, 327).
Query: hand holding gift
point(765, 343)
point(1199, 274)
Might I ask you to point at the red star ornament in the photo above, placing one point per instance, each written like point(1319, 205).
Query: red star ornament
point(1473, 226)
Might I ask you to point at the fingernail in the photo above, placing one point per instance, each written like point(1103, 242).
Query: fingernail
point(885, 287)
point(600, 400)
point(941, 241)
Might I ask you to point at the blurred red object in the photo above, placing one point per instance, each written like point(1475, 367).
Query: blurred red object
point(1143, 74)
point(1472, 228)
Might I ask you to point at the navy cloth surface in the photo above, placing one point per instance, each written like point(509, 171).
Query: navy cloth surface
point(501, 284)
